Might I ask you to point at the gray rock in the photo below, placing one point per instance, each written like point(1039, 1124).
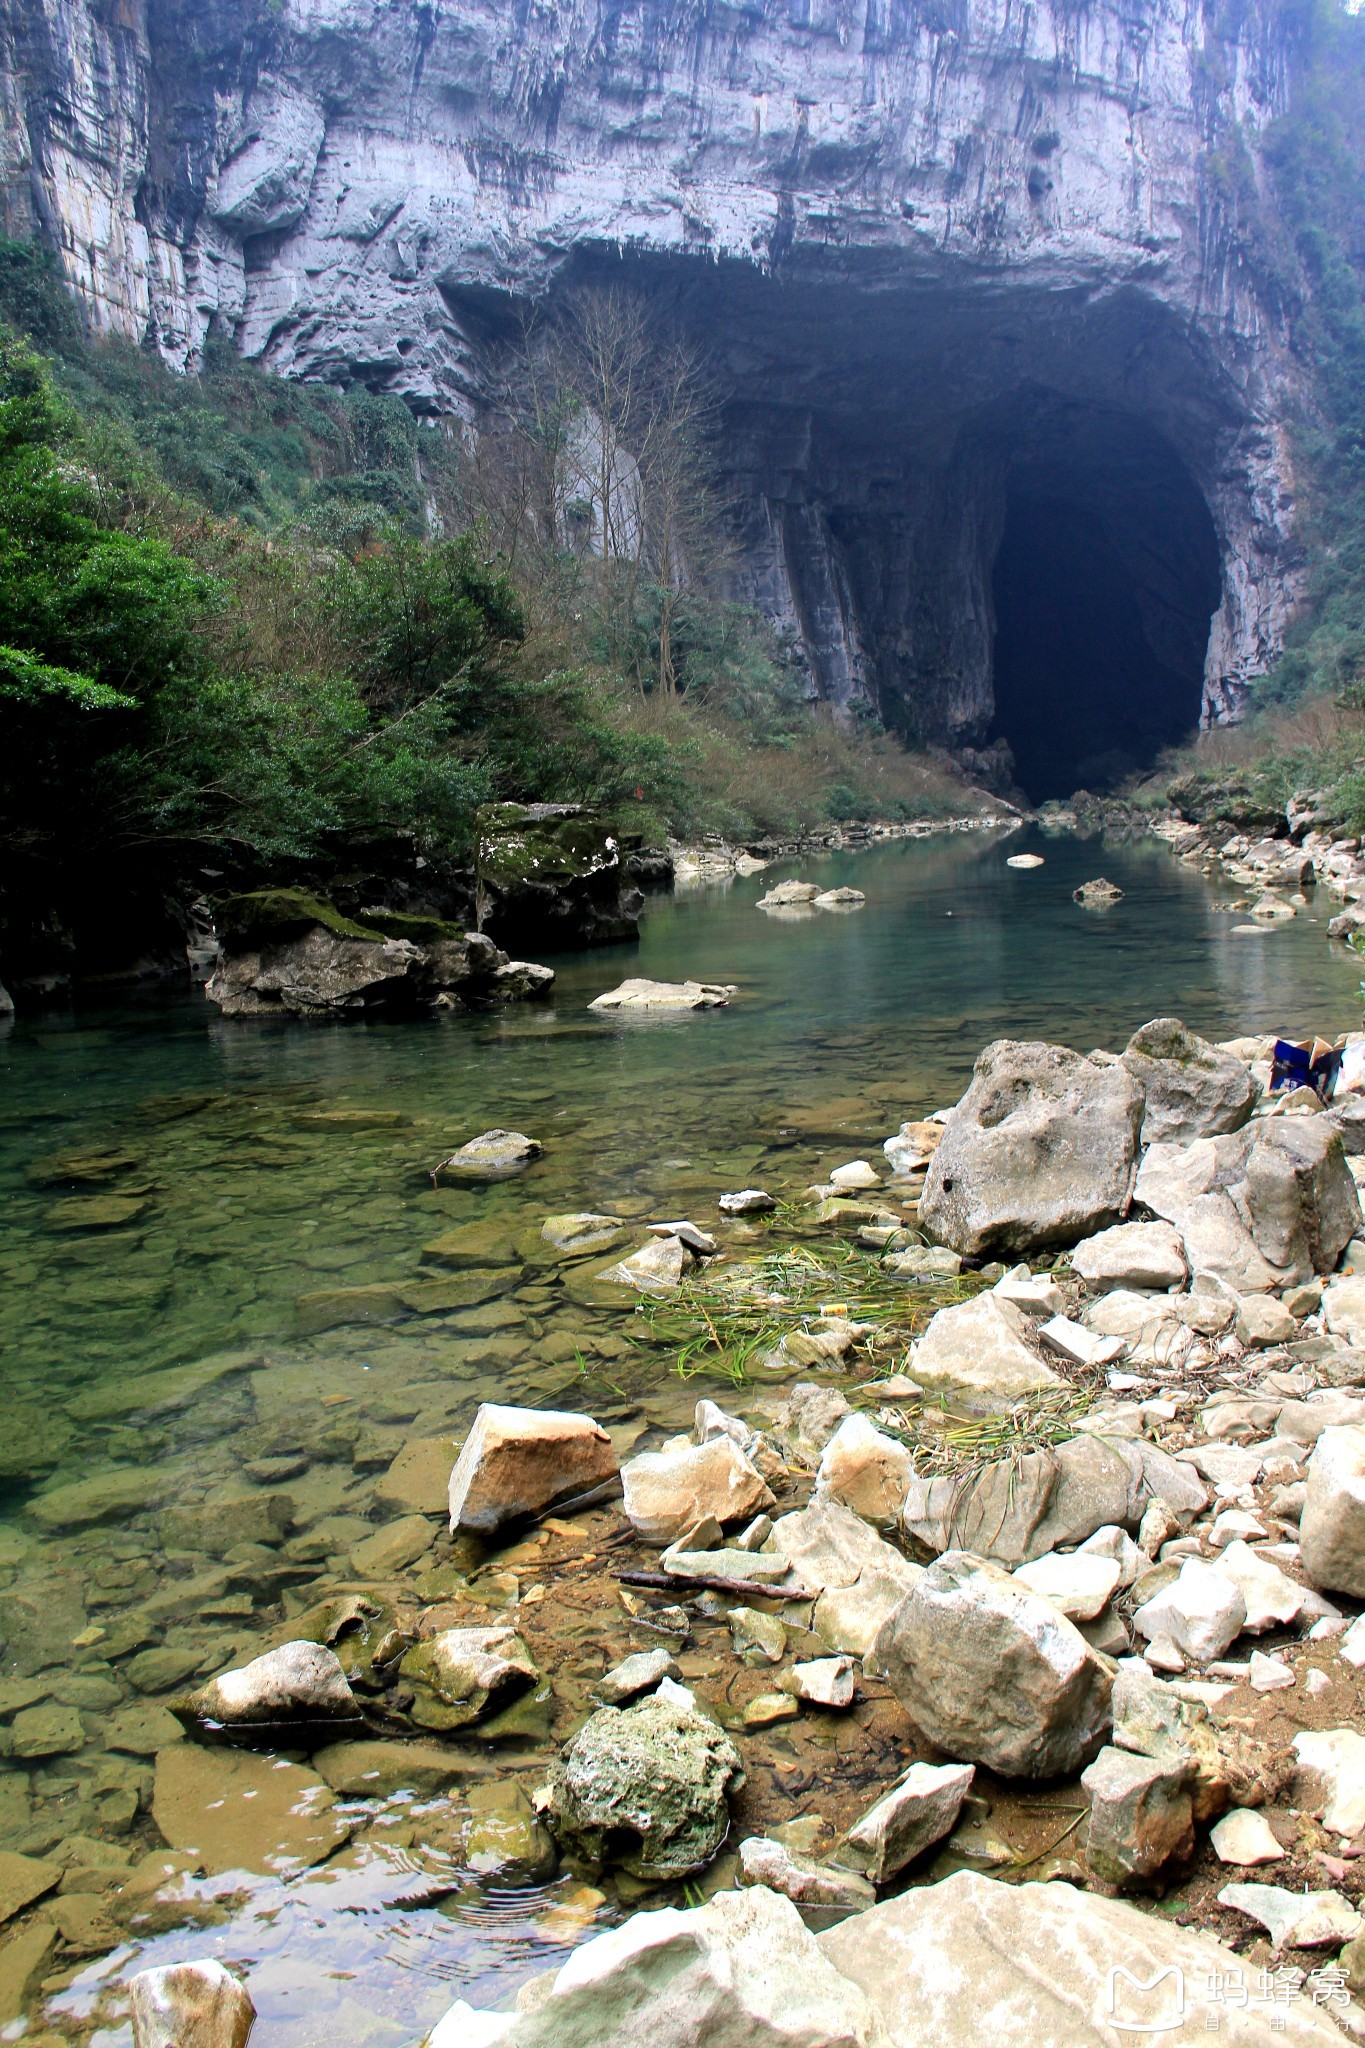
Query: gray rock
point(798, 1878)
point(582, 1232)
point(463, 1675)
point(865, 1470)
point(634, 1675)
point(747, 1202)
point(1295, 1919)
point(659, 1267)
point(1332, 1528)
point(519, 1461)
point(1302, 1198)
point(919, 1810)
point(300, 1685)
point(976, 1354)
point(491, 1155)
point(1140, 1815)
point(859, 1578)
point(742, 1971)
point(1039, 1152)
point(640, 994)
point(808, 1418)
point(646, 1787)
point(1061, 1965)
point(1192, 1089)
point(1136, 1255)
point(992, 1673)
point(190, 2005)
point(822, 1681)
point(756, 1637)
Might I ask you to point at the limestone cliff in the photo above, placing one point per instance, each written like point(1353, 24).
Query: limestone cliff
point(960, 262)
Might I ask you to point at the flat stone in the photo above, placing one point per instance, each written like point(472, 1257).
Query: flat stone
point(377, 1769)
point(919, 1810)
point(521, 1461)
point(1295, 1919)
point(24, 1879)
point(1079, 1584)
point(1246, 1837)
point(418, 1480)
point(635, 1675)
point(47, 1731)
point(392, 1548)
point(638, 993)
point(484, 1242)
point(23, 1960)
point(236, 1810)
point(103, 1497)
point(767, 1708)
point(581, 1232)
point(218, 1526)
point(798, 1878)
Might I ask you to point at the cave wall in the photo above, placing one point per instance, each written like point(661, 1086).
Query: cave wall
point(905, 226)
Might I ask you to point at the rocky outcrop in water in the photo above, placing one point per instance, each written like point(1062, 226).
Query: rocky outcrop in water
point(970, 279)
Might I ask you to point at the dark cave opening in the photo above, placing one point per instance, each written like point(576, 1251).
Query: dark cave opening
point(1105, 579)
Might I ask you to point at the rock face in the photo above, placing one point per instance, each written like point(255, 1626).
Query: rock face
point(520, 1461)
point(1039, 1152)
point(551, 875)
point(993, 1674)
point(288, 953)
point(190, 2005)
point(1062, 1966)
point(330, 190)
point(646, 1787)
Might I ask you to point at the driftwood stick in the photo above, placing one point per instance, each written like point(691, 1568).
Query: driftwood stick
point(681, 1582)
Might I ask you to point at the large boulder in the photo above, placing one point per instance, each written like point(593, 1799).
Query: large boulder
point(286, 952)
point(646, 1787)
point(993, 1674)
point(519, 1461)
point(1191, 1088)
point(974, 1355)
point(298, 1687)
point(1303, 1201)
point(552, 874)
point(742, 1971)
point(1332, 1527)
point(1039, 1152)
point(972, 1960)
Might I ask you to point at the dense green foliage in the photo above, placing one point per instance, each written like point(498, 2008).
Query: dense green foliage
point(250, 628)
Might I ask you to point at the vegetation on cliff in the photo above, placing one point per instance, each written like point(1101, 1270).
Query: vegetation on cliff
point(250, 627)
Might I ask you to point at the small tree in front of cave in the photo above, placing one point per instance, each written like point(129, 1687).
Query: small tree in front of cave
point(599, 461)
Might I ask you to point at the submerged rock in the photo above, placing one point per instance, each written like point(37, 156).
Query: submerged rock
point(491, 1155)
point(235, 1810)
point(646, 1787)
point(519, 1461)
point(1039, 1152)
point(190, 2005)
point(993, 1674)
point(465, 1674)
point(299, 1686)
point(657, 1268)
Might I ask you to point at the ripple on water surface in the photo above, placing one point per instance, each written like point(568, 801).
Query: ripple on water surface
point(219, 1329)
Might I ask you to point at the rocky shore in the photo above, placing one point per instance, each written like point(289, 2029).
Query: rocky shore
point(994, 1631)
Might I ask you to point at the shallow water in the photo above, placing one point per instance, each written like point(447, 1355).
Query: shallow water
point(258, 1162)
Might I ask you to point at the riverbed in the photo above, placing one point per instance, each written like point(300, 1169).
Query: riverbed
point(213, 1295)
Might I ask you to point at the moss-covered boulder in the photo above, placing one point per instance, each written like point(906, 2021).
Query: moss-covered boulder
point(552, 874)
point(646, 1787)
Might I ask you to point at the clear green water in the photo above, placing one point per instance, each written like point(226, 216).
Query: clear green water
point(246, 1189)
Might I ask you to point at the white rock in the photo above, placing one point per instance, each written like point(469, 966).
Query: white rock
point(190, 2005)
point(1112, 1541)
point(783, 894)
point(1331, 1778)
point(634, 1675)
point(977, 1352)
point(1235, 1525)
point(840, 899)
point(741, 1971)
point(1202, 1612)
point(1079, 1584)
point(519, 1461)
point(636, 993)
point(668, 1492)
point(857, 1174)
point(1332, 1527)
point(299, 1682)
point(1343, 1306)
point(1245, 1837)
point(1295, 1919)
point(867, 1471)
point(657, 1268)
point(1263, 1321)
point(1272, 1598)
point(491, 1154)
point(747, 1202)
point(1131, 1255)
point(823, 1681)
point(919, 1810)
point(1078, 1345)
point(1316, 1684)
point(860, 1579)
point(1024, 860)
point(800, 1879)
point(1040, 1297)
point(1352, 1644)
point(1269, 1674)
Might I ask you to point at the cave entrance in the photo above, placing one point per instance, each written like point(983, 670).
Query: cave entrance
point(1105, 580)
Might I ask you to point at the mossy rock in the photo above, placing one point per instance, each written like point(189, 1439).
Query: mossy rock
point(407, 924)
point(536, 846)
point(263, 917)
